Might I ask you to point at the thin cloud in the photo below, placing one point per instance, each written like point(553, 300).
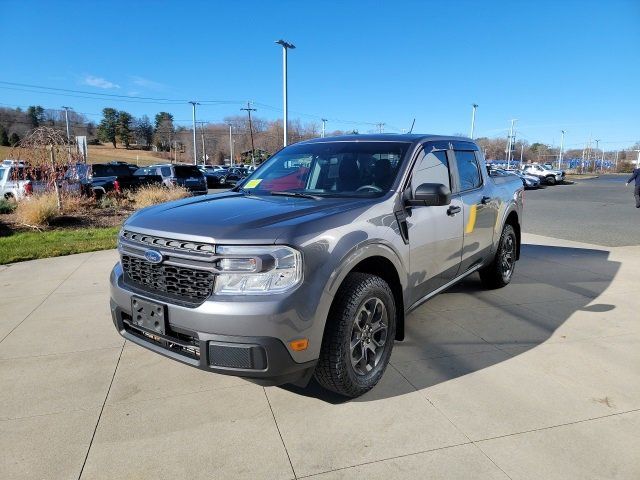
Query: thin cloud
point(99, 82)
point(146, 83)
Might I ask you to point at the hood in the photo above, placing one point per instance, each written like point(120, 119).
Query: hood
point(234, 217)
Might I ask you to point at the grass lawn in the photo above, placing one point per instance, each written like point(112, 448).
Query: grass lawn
point(31, 245)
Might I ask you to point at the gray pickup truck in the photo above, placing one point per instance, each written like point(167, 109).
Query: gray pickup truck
point(310, 266)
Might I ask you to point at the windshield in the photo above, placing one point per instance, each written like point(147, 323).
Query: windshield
point(341, 169)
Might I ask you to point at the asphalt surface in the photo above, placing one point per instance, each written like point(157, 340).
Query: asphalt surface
point(599, 211)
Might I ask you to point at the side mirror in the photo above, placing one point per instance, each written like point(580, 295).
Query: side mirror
point(430, 195)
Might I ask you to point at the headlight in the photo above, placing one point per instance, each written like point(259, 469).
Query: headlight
point(257, 270)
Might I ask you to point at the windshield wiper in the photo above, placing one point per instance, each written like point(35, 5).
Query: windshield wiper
point(296, 194)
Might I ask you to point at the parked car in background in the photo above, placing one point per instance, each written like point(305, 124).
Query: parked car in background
point(14, 180)
point(528, 181)
point(311, 265)
point(215, 177)
point(234, 175)
point(98, 179)
point(545, 174)
point(183, 175)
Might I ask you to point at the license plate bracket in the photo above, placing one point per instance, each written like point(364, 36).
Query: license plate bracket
point(151, 316)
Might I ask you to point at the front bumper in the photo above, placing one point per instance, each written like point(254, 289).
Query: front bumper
point(213, 336)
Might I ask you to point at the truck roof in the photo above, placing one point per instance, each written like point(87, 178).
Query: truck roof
point(388, 137)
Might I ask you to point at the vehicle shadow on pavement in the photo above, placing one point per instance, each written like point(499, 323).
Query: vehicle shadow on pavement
point(468, 328)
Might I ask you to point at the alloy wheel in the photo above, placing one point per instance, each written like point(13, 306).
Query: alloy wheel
point(369, 336)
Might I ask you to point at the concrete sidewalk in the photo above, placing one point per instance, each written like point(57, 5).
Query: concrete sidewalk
point(540, 380)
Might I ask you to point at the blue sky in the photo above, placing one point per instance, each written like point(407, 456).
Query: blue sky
point(552, 65)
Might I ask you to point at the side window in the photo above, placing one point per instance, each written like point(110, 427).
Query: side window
point(165, 171)
point(432, 167)
point(468, 170)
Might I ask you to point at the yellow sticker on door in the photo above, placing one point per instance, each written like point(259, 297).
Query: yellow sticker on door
point(253, 183)
point(471, 223)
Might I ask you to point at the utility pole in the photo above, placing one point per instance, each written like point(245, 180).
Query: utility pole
point(66, 119)
point(616, 167)
point(561, 147)
point(285, 46)
point(509, 143)
point(521, 152)
point(380, 127)
point(595, 159)
point(638, 160)
point(195, 153)
point(324, 121)
point(230, 146)
point(473, 119)
point(249, 110)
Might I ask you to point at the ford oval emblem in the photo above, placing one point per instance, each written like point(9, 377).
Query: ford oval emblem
point(153, 256)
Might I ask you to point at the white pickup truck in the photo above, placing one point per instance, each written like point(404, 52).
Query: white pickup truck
point(13, 182)
point(543, 172)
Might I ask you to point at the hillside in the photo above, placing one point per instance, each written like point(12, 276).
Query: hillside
point(106, 153)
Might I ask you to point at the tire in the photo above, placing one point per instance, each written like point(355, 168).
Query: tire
point(223, 181)
point(551, 180)
point(369, 299)
point(496, 275)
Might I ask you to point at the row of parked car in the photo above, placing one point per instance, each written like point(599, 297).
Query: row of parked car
point(533, 175)
point(18, 179)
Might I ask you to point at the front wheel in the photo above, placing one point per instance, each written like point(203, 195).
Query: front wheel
point(499, 272)
point(551, 180)
point(359, 336)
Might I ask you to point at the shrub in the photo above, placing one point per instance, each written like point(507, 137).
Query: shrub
point(37, 210)
point(7, 206)
point(76, 204)
point(154, 194)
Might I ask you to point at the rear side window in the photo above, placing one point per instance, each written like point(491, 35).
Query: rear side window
point(432, 167)
point(186, 171)
point(468, 170)
point(165, 171)
point(110, 171)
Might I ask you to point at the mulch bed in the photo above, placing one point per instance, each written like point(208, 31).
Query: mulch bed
point(92, 218)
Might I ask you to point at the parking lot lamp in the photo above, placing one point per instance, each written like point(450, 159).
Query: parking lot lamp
point(561, 147)
point(285, 46)
point(473, 119)
point(324, 121)
point(195, 153)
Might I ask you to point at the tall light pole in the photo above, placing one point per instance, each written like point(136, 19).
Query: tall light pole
point(509, 143)
point(595, 158)
point(638, 161)
point(285, 46)
point(324, 121)
point(231, 145)
point(195, 148)
point(473, 119)
point(66, 119)
point(561, 147)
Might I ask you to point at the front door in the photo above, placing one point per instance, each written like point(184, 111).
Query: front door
point(435, 233)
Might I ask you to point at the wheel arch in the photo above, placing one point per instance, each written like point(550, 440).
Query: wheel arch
point(383, 263)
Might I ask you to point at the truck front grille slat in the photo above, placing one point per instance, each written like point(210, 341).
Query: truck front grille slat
point(180, 245)
point(186, 283)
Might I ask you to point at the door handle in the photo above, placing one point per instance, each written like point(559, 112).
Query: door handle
point(485, 200)
point(452, 210)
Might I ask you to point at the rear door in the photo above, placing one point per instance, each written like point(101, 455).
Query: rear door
point(435, 233)
point(480, 210)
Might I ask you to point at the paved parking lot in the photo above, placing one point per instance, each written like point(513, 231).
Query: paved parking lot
point(599, 210)
point(540, 380)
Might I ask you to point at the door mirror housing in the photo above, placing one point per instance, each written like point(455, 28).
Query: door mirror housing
point(430, 195)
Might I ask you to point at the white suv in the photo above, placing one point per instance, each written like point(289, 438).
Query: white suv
point(544, 173)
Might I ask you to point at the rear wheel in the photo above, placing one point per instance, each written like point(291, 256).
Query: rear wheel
point(500, 271)
point(359, 336)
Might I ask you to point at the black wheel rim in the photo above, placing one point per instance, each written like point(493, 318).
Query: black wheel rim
point(507, 257)
point(369, 336)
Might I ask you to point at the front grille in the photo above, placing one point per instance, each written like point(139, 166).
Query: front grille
point(186, 284)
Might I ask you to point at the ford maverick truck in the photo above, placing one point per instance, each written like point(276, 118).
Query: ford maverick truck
point(310, 265)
